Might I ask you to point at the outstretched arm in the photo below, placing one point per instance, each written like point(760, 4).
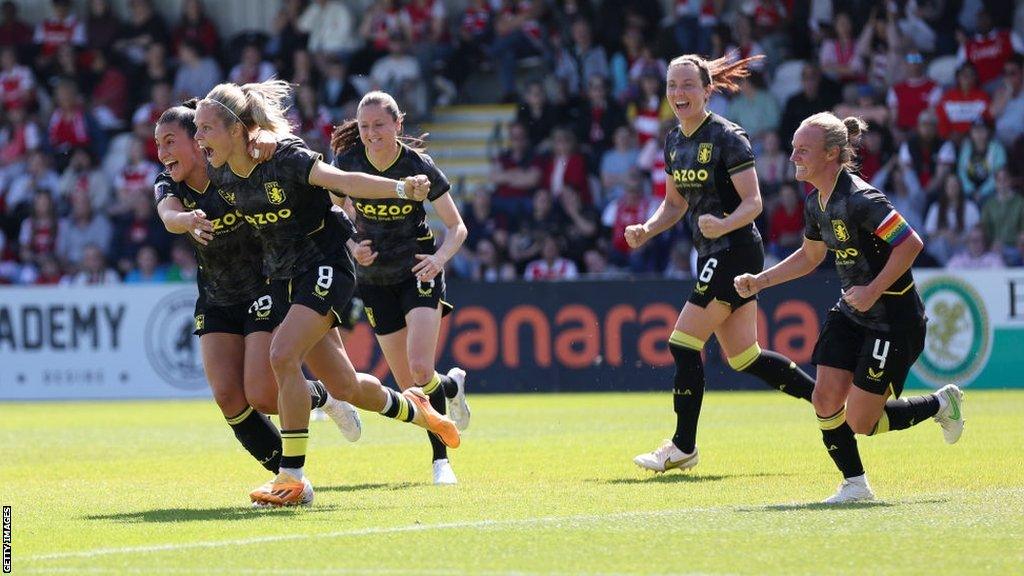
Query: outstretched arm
point(799, 263)
point(359, 185)
point(177, 220)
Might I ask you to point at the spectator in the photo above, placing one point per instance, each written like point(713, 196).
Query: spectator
point(184, 267)
point(679, 267)
point(475, 33)
point(617, 163)
point(61, 28)
point(195, 27)
point(138, 228)
point(252, 68)
point(488, 265)
point(483, 223)
point(538, 115)
point(754, 109)
point(632, 207)
point(70, 125)
point(14, 32)
point(38, 178)
point(962, 105)
point(145, 28)
point(109, 94)
point(813, 97)
point(1008, 102)
point(692, 26)
point(903, 191)
point(838, 57)
point(773, 166)
point(18, 137)
point(515, 174)
point(312, 121)
point(913, 95)
point(877, 48)
point(599, 118)
point(912, 28)
point(596, 267)
point(48, 273)
point(861, 100)
point(926, 156)
point(17, 83)
point(427, 29)
point(565, 167)
point(786, 223)
point(551, 265)
point(1002, 217)
point(197, 73)
point(286, 36)
point(581, 225)
point(976, 255)
point(102, 26)
point(38, 235)
point(303, 70)
point(623, 60)
point(525, 244)
point(157, 69)
point(94, 270)
point(81, 228)
point(948, 220)
point(652, 161)
point(399, 74)
point(517, 34)
point(148, 113)
point(147, 268)
point(745, 45)
point(337, 90)
point(83, 175)
point(581, 60)
point(331, 28)
point(989, 49)
point(1016, 255)
point(135, 180)
point(980, 159)
point(649, 109)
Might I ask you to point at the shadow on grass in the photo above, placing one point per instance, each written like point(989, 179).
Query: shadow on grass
point(159, 515)
point(677, 478)
point(826, 507)
point(376, 486)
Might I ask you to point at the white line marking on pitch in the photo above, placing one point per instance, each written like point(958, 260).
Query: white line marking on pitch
point(457, 525)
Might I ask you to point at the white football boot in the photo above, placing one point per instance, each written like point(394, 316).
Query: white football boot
point(951, 415)
point(667, 457)
point(852, 490)
point(443, 473)
point(458, 408)
point(346, 417)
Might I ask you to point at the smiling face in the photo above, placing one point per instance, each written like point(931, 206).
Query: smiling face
point(809, 156)
point(686, 93)
point(216, 140)
point(378, 129)
point(176, 151)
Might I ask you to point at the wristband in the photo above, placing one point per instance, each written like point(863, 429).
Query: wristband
point(400, 190)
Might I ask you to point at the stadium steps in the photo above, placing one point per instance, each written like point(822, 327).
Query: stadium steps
point(460, 137)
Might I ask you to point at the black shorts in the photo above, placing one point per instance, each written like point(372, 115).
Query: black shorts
point(880, 361)
point(717, 271)
point(325, 288)
point(350, 315)
point(261, 315)
point(386, 306)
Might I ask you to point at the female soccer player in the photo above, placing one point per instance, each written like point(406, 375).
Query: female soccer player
point(401, 274)
point(303, 245)
point(876, 331)
point(236, 311)
point(711, 179)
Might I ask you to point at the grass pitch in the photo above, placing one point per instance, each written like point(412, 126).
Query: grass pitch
point(547, 487)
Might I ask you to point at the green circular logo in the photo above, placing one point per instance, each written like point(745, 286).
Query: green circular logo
point(959, 333)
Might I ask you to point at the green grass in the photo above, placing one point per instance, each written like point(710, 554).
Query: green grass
point(547, 487)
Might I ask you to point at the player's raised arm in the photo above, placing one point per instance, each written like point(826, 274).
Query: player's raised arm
point(359, 185)
point(668, 213)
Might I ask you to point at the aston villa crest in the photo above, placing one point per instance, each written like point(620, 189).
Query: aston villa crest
point(274, 192)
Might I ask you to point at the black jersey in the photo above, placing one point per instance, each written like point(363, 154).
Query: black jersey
point(230, 266)
point(397, 228)
point(861, 227)
point(292, 218)
point(701, 165)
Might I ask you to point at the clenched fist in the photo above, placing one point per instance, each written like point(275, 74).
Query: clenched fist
point(711, 226)
point(747, 285)
point(636, 235)
point(417, 187)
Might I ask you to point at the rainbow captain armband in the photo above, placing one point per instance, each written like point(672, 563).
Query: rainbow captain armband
point(893, 229)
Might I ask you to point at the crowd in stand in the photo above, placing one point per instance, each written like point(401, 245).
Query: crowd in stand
point(939, 82)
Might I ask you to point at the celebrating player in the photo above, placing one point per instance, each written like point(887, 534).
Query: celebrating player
point(236, 311)
point(401, 274)
point(303, 245)
point(712, 180)
point(876, 331)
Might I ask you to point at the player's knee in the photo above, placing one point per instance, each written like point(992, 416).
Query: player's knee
point(743, 360)
point(284, 357)
point(861, 423)
point(264, 401)
point(230, 399)
point(826, 402)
